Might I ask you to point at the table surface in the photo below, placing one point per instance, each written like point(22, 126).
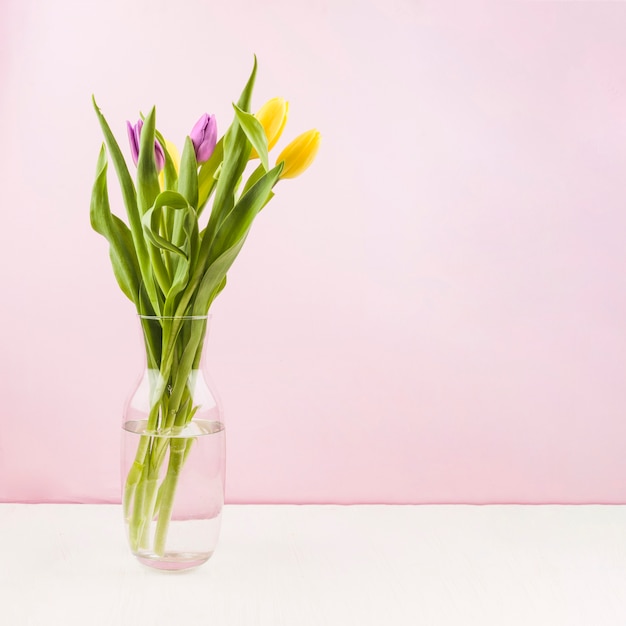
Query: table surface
point(324, 565)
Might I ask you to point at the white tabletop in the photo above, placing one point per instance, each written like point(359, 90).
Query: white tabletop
point(324, 565)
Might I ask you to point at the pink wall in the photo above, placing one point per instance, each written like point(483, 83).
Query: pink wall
point(434, 313)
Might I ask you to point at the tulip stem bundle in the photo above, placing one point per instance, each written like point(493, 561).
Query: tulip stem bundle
point(172, 268)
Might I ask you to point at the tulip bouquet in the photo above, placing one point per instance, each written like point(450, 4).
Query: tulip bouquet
point(187, 220)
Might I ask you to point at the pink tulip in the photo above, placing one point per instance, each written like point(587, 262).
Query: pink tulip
point(204, 137)
point(134, 133)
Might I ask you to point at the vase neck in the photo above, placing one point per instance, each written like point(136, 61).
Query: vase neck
point(174, 342)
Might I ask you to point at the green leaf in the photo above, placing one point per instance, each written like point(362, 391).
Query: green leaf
point(171, 199)
point(213, 278)
point(144, 305)
point(160, 242)
point(188, 187)
point(190, 226)
point(130, 202)
point(170, 179)
point(236, 155)
point(269, 197)
point(152, 217)
point(255, 134)
point(181, 277)
point(147, 175)
point(126, 182)
point(124, 260)
point(152, 333)
point(254, 177)
point(121, 248)
point(188, 179)
point(239, 220)
point(230, 239)
point(246, 95)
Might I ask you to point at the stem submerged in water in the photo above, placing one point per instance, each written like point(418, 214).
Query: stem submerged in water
point(172, 408)
point(168, 491)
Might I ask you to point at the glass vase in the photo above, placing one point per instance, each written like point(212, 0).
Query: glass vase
point(173, 449)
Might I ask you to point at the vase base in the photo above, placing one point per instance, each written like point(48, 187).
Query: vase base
point(174, 562)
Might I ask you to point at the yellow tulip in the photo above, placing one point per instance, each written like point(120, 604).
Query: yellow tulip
point(300, 153)
point(273, 117)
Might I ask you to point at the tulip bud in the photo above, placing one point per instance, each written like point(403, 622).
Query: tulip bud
point(300, 153)
point(273, 117)
point(134, 133)
point(204, 137)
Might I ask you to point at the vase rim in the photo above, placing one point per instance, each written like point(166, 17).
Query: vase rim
point(174, 317)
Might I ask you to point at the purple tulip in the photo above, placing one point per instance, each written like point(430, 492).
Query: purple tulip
point(204, 137)
point(134, 133)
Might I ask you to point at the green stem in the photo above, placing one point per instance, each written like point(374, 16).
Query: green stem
point(171, 407)
point(136, 523)
point(149, 502)
point(168, 490)
point(134, 474)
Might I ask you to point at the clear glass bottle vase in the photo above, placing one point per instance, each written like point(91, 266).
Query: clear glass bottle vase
point(173, 449)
